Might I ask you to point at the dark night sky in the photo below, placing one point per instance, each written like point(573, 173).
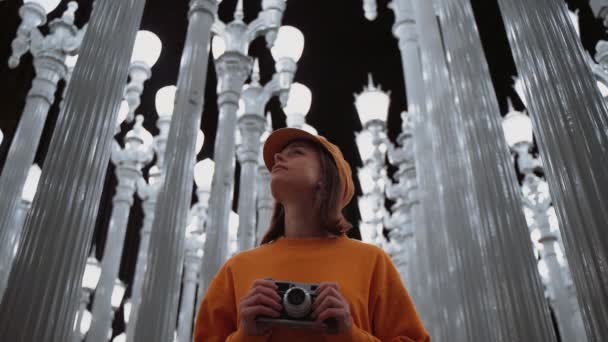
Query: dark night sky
point(341, 47)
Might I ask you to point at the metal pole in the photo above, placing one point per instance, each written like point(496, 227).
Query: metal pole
point(46, 279)
point(49, 63)
point(570, 120)
point(129, 163)
point(501, 234)
point(160, 293)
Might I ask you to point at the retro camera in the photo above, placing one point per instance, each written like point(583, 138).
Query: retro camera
point(296, 300)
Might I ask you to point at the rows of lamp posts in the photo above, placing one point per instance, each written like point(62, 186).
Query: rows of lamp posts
point(195, 236)
point(544, 230)
point(241, 108)
point(372, 106)
point(541, 218)
point(51, 64)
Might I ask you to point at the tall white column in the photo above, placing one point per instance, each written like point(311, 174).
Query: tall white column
point(49, 63)
point(570, 119)
point(453, 294)
point(147, 191)
point(158, 309)
point(407, 30)
point(233, 67)
point(25, 203)
point(47, 272)
point(128, 162)
point(501, 234)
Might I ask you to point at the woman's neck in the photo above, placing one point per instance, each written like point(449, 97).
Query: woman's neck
point(303, 221)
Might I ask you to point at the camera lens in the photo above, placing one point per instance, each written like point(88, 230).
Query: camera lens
point(296, 296)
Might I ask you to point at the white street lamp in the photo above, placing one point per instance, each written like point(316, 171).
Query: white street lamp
point(298, 105)
point(127, 310)
point(203, 174)
point(92, 272)
point(289, 44)
point(47, 5)
point(370, 9)
point(146, 51)
point(31, 183)
point(165, 100)
point(517, 128)
point(147, 48)
point(117, 294)
point(372, 104)
point(85, 322)
point(218, 47)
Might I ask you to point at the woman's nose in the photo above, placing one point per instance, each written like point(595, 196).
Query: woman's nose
point(278, 157)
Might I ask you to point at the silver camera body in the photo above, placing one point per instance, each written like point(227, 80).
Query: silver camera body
point(296, 300)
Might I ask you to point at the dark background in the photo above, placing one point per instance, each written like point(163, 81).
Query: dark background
point(341, 47)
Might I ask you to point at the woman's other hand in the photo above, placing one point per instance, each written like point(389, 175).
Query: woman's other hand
point(331, 308)
point(261, 300)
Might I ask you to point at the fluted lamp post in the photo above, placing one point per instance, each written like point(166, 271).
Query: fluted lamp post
point(372, 106)
point(537, 201)
point(147, 191)
point(233, 66)
point(129, 162)
point(49, 56)
point(92, 272)
point(16, 227)
point(146, 52)
point(286, 52)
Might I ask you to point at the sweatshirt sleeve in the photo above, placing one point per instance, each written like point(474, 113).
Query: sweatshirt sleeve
point(217, 315)
point(393, 315)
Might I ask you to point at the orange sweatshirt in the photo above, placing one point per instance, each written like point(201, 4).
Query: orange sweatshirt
point(380, 306)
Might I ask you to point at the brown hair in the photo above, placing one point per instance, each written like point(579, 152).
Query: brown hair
point(329, 193)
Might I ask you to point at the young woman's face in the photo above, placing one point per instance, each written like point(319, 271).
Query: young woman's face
point(297, 170)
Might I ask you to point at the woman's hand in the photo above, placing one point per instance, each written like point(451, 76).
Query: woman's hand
point(332, 309)
point(261, 300)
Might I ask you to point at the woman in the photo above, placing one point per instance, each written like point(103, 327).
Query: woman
point(360, 294)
